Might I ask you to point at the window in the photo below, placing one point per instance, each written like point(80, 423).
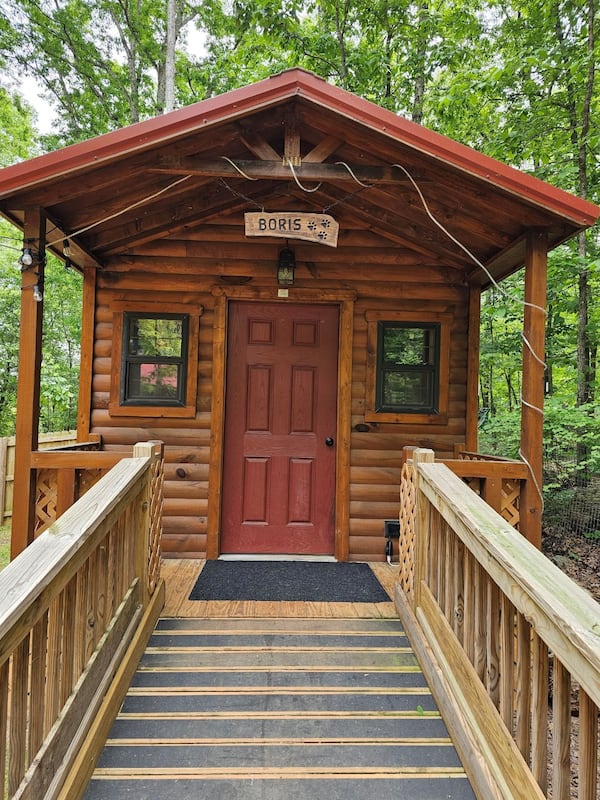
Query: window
point(407, 367)
point(154, 359)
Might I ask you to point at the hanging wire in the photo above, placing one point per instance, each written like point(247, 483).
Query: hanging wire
point(239, 169)
point(360, 183)
point(505, 294)
point(304, 188)
point(122, 211)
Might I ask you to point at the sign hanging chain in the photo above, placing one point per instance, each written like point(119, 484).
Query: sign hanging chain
point(240, 195)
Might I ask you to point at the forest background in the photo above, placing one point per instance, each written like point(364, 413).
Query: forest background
point(516, 79)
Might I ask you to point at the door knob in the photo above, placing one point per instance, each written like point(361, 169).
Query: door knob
point(329, 441)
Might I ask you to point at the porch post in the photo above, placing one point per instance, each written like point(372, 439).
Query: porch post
point(532, 415)
point(471, 433)
point(28, 381)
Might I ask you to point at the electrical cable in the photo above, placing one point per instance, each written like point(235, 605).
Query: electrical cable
point(122, 211)
point(504, 294)
point(239, 169)
point(360, 183)
point(304, 188)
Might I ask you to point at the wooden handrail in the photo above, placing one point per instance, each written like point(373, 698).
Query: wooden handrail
point(491, 617)
point(75, 459)
point(77, 606)
point(487, 468)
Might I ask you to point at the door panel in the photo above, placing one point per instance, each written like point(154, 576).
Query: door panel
point(279, 475)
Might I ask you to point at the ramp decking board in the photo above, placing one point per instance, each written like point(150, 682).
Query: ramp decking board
point(276, 703)
point(275, 709)
point(400, 787)
point(166, 680)
point(273, 641)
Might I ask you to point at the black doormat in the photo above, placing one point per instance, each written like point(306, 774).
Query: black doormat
point(308, 581)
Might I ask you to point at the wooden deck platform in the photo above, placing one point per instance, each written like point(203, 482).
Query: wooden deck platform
point(180, 576)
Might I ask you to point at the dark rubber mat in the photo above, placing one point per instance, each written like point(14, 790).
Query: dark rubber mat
point(293, 581)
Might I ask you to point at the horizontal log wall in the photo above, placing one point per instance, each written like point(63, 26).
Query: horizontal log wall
point(383, 277)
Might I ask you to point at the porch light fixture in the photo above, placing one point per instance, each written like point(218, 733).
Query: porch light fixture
point(285, 267)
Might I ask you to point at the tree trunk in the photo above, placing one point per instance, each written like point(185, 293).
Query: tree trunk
point(169, 104)
point(422, 40)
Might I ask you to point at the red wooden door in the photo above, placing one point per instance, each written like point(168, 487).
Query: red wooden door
point(280, 428)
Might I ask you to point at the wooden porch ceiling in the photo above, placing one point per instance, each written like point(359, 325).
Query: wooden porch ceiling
point(141, 193)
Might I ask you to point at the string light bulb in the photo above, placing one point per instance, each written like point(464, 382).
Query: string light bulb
point(37, 293)
point(26, 257)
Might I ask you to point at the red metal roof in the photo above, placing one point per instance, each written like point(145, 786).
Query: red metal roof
point(115, 196)
point(237, 103)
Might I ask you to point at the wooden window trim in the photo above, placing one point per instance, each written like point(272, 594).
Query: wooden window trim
point(407, 418)
point(188, 410)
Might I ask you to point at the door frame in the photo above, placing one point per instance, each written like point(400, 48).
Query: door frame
point(345, 300)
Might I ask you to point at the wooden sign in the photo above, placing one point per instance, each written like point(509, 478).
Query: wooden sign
point(293, 225)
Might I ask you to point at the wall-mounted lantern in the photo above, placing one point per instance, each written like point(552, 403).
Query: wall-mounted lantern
point(285, 267)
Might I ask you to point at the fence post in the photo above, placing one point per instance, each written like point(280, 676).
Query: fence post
point(3, 475)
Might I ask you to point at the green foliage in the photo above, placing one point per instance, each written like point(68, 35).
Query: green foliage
point(4, 546)
point(10, 302)
point(61, 338)
point(569, 431)
point(17, 136)
point(61, 347)
point(500, 434)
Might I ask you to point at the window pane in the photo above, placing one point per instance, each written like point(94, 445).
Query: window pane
point(409, 390)
point(408, 346)
point(155, 337)
point(153, 381)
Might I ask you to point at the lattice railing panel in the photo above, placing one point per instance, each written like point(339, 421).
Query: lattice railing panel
point(45, 499)
point(511, 495)
point(87, 479)
point(407, 528)
point(155, 533)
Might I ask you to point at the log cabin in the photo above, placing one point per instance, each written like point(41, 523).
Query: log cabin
point(280, 300)
point(282, 284)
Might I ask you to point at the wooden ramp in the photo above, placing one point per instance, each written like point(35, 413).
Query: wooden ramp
point(279, 708)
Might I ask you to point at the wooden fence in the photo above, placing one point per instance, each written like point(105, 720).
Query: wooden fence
point(510, 645)
point(7, 465)
point(78, 606)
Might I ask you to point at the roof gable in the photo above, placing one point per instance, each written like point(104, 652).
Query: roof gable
point(137, 185)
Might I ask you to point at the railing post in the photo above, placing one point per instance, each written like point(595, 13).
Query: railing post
point(532, 409)
point(147, 542)
point(422, 523)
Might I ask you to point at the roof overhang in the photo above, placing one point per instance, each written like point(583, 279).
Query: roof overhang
point(88, 190)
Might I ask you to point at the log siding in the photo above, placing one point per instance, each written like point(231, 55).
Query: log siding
point(382, 278)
